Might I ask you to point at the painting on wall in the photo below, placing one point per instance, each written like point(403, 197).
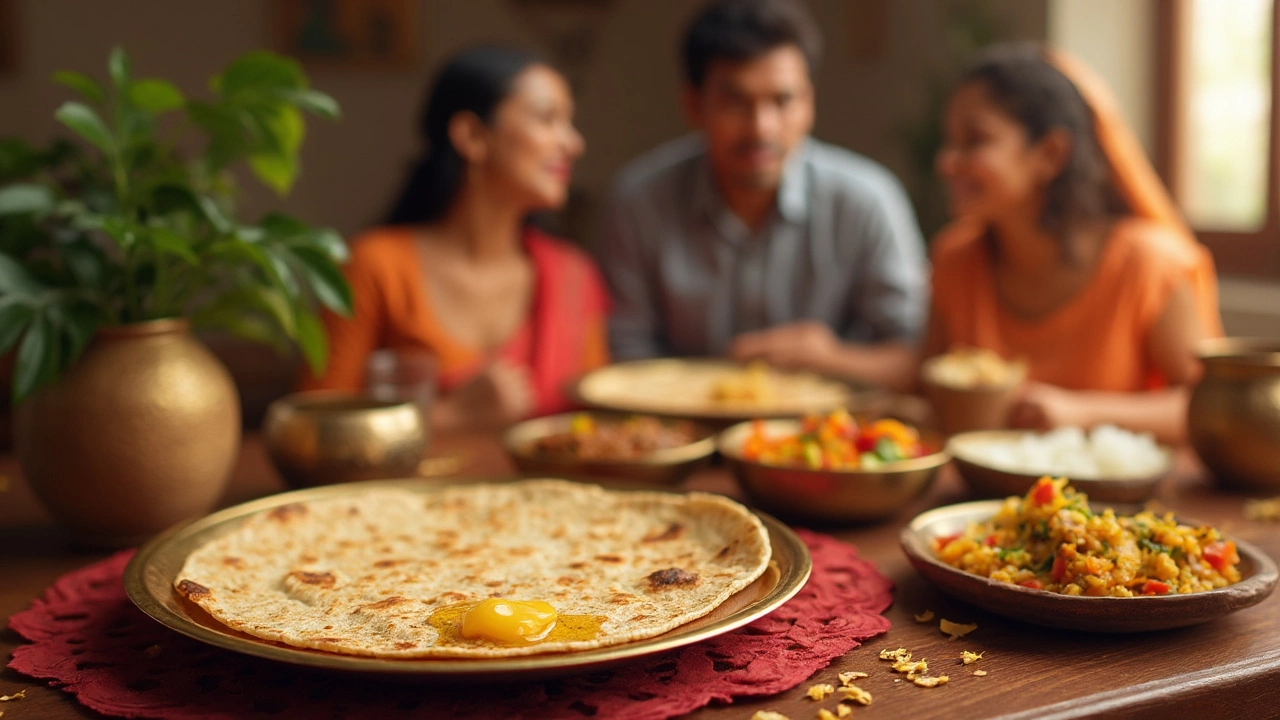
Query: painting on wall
point(348, 33)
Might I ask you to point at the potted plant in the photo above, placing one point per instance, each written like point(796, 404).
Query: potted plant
point(113, 249)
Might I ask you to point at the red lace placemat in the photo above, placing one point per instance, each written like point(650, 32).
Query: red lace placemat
point(87, 638)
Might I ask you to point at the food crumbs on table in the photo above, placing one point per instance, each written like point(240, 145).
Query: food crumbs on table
point(16, 696)
point(843, 710)
point(153, 651)
point(850, 676)
point(924, 617)
point(970, 658)
point(853, 693)
point(928, 682)
point(956, 630)
point(1268, 509)
point(899, 654)
point(820, 691)
point(980, 673)
point(825, 714)
point(769, 715)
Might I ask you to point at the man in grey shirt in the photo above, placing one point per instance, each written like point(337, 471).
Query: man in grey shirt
point(752, 239)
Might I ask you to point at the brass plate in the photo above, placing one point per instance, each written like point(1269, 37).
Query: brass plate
point(682, 388)
point(1090, 614)
point(149, 578)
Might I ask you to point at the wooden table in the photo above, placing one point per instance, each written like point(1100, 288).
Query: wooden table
point(1225, 669)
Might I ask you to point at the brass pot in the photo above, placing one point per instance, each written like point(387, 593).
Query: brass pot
point(323, 437)
point(142, 432)
point(1234, 416)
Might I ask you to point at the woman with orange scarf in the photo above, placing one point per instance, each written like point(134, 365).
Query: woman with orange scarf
point(510, 314)
point(1066, 250)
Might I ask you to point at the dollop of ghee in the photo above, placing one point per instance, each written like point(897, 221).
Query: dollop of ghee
point(511, 622)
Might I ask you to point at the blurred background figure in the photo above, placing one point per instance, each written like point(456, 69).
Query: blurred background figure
point(752, 239)
point(1066, 250)
point(509, 313)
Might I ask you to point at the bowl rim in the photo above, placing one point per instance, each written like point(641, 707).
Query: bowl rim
point(518, 438)
point(301, 402)
point(925, 462)
point(1244, 350)
point(955, 446)
point(927, 379)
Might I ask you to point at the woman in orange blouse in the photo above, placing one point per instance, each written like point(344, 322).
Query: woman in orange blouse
point(510, 314)
point(1066, 250)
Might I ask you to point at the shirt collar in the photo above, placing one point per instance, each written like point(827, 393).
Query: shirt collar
point(793, 193)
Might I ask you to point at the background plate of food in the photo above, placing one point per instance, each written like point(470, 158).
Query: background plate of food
point(714, 390)
point(832, 468)
point(1051, 558)
point(478, 580)
point(633, 448)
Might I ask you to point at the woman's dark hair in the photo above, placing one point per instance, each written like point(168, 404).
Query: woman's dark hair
point(1040, 98)
point(738, 30)
point(476, 80)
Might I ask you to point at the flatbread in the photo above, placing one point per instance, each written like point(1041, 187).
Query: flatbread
point(697, 388)
point(387, 572)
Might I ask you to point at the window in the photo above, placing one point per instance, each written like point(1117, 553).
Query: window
point(1219, 128)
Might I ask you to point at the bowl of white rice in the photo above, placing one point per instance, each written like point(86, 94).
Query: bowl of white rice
point(1109, 463)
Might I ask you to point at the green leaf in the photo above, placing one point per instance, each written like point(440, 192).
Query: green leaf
point(268, 300)
point(82, 120)
point(168, 241)
point(279, 258)
point(38, 359)
point(327, 241)
point(259, 73)
point(155, 95)
point(14, 319)
point(275, 160)
point(313, 342)
point(123, 231)
point(15, 280)
point(234, 320)
point(314, 101)
point(88, 88)
point(275, 171)
point(282, 226)
point(325, 280)
point(18, 160)
point(214, 214)
point(26, 198)
point(86, 262)
point(118, 67)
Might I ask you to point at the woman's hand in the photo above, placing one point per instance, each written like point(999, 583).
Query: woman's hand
point(1044, 407)
point(499, 396)
point(804, 345)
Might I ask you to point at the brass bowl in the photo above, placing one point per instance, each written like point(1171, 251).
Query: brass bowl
point(1234, 414)
point(321, 438)
point(828, 496)
point(958, 410)
point(663, 467)
point(987, 480)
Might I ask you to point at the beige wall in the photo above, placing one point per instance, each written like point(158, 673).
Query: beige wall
point(1117, 39)
point(628, 97)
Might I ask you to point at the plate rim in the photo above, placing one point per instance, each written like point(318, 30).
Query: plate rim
point(852, 395)
point(791, 580)
point(1258, 586)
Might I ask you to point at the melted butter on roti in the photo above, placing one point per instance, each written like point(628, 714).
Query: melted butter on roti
point(389, 572)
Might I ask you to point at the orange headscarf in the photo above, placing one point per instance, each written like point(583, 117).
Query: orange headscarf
point(1136, 180)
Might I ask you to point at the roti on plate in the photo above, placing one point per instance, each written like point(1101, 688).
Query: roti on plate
point(390, 572)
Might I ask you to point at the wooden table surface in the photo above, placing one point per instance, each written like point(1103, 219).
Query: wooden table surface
point(1225, 669)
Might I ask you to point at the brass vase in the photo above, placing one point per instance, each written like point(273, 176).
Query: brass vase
point(142, 432)
point(1234, 415)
